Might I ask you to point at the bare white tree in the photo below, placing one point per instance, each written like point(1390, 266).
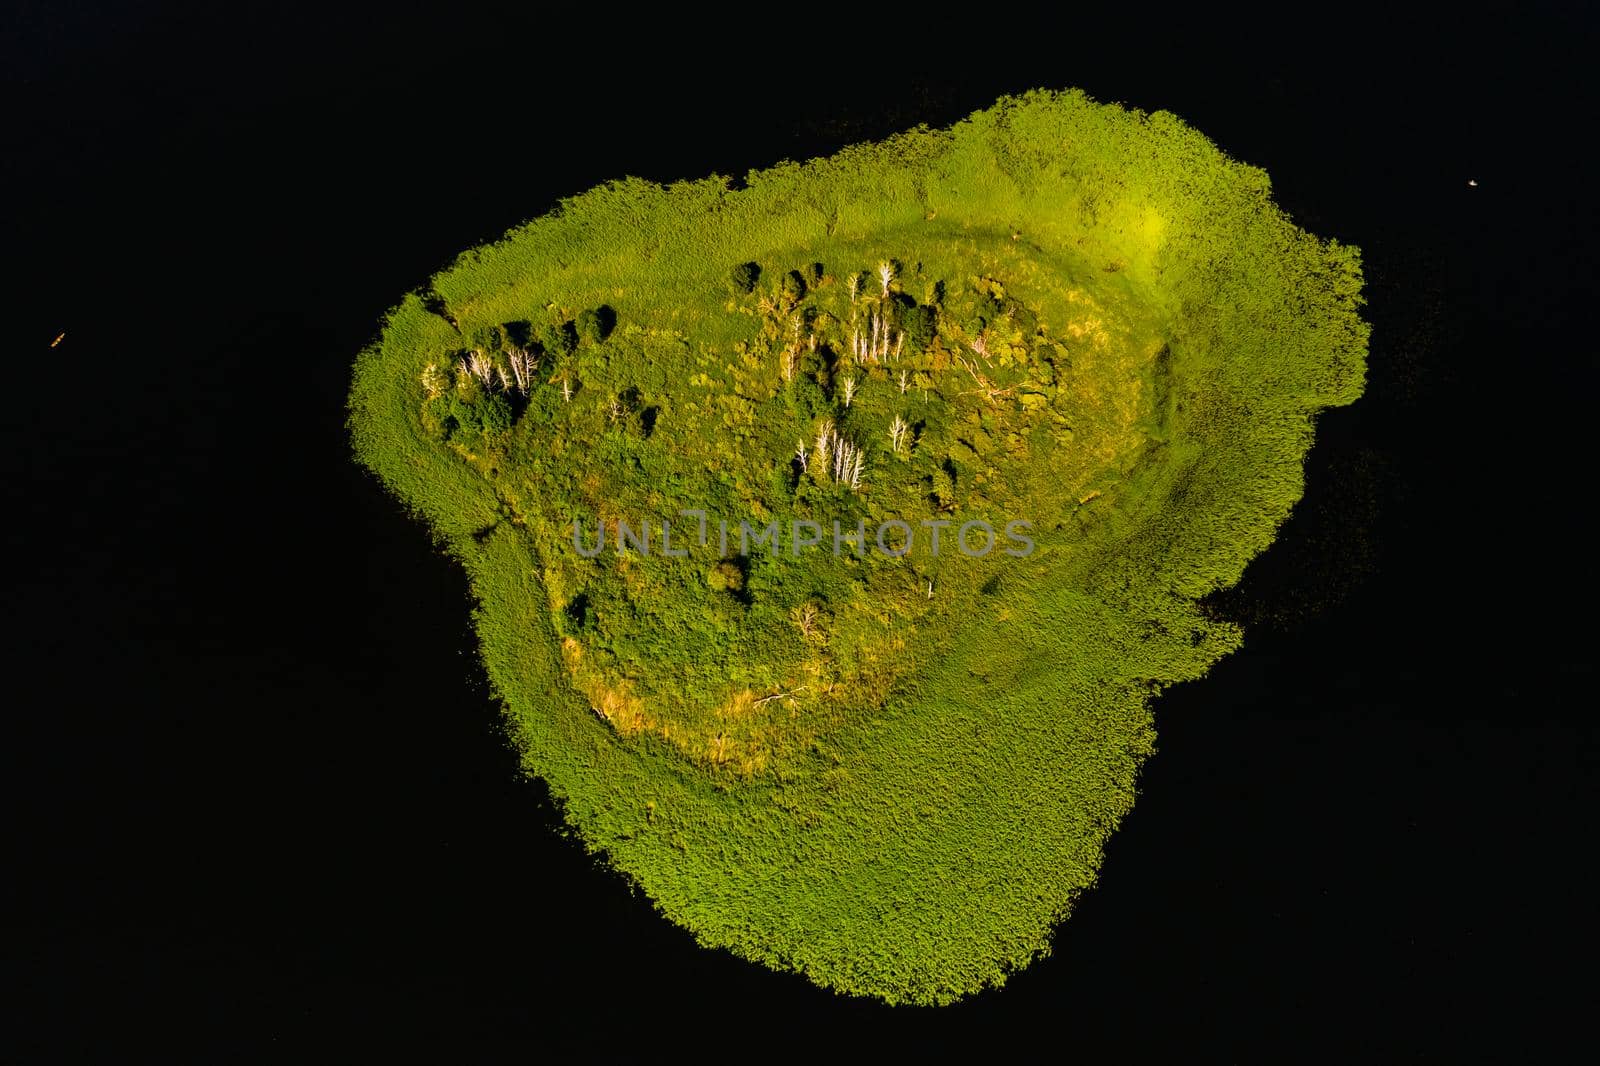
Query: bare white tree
point(480, 366)
point(897, 433)
point(989, 389)
point(807, 618)
point(791, 362)
point(849, 459)
point(522, 364)
point(849, 386)
point(885, 276)
point(824, 443)
point(899, 343)
point(903, 382)
point(566, 390)
point(800, 454)
point(855, 288)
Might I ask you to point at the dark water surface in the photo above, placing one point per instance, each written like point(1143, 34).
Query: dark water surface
point(260, 801)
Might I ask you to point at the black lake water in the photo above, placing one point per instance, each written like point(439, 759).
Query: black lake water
point(262, 797)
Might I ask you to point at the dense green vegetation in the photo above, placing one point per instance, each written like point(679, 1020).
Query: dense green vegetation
point(891, 772)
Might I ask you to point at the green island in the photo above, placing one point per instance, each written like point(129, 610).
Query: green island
point(809, 737)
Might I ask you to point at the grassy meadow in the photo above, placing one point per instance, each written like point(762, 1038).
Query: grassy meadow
point(891, 773)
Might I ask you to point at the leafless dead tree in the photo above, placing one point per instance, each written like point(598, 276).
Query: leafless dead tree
point(844, 454)
point(897, 432)
point(848, 458)
point(522, 364)
point(480, 366)
point(824, 444)
point(989, 389)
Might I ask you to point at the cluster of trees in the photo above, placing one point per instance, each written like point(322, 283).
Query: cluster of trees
point(867, 390)
point(829, 350)
point(486, 387)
